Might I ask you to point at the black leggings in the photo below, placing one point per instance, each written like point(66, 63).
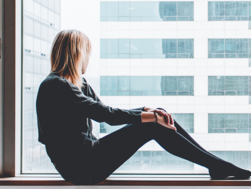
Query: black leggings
point(117, 147)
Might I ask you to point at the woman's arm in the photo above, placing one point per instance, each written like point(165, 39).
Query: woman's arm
point(95, 109)
point(146, 114)
point(148, 117)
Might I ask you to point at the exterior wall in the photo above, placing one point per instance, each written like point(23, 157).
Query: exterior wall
point(231, 28)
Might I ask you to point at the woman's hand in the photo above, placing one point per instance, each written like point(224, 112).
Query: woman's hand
point(165, 118)
point(166, 121)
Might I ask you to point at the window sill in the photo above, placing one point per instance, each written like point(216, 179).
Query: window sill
point(135, 180)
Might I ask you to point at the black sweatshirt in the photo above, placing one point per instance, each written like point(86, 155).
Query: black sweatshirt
point(64, 116)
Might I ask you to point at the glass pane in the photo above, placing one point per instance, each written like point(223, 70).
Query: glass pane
point(228, 10)
point(137, 67)
point(147, 85)
point(146, 48)
point(38, 34)
point(146, 11)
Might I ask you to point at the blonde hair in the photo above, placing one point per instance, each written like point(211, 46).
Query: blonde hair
point(69, 49)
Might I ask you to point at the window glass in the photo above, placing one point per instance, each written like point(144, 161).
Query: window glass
point(217, 48)
point(57, 6)
point(45, 3)
point(44, 13)
point(146, 11)
point(29, 42)
point(112, 11)
point(51, 4)
point(124, 9)
point(185, 11)
point(38, 34)
point(103, 14)
point(29, 63)
point(228, 10)
point(152, 53)
point(44, 32)
point(37, 30)
point(29, 26)
point(228, 85)
point(29, 7)
point(147, 48)
point(37, 10)
point(228, 123)
point(146, 85)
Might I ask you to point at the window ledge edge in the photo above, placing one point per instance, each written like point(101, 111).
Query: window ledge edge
point(174, 180)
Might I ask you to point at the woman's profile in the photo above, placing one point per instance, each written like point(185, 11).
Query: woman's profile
point(66, 104)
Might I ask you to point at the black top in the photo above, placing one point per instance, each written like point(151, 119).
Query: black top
point(64, 114)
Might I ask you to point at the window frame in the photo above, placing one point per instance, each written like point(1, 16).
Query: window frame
point(10, 84)
point(11, 88)
point(1, 110)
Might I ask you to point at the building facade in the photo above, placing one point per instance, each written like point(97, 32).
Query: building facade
point(189, 57)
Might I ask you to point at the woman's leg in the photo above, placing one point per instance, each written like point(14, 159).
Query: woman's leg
point(114, 149)
point(188, 137)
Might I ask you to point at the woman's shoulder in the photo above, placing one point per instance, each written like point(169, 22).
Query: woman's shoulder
point(54, 83)
point(53, 80)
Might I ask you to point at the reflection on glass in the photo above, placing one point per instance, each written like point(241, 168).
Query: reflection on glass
point(229, 85)
point(229, 123)
point(229, 10)
point(146, 11)
point(229, 48)
point(147, 85)
point(41, 21)
point(146, 48)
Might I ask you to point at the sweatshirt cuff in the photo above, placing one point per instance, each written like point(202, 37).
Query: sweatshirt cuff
point(136, 116)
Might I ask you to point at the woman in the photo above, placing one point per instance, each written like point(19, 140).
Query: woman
point(66, 104)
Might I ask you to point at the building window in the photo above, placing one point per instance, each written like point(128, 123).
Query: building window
point(146, 11)
point(228, 85)
point(229, 123)
point(229, 10)
point(146, 48)
point(229, 48)
point(146, 86)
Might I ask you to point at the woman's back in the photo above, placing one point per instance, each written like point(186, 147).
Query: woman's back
point(63, 127)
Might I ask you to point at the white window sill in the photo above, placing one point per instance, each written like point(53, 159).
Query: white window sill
point(129, 180)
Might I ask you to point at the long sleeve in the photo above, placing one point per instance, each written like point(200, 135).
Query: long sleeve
point(96, 110)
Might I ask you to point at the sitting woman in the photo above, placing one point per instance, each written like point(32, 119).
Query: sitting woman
point(66, 104)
